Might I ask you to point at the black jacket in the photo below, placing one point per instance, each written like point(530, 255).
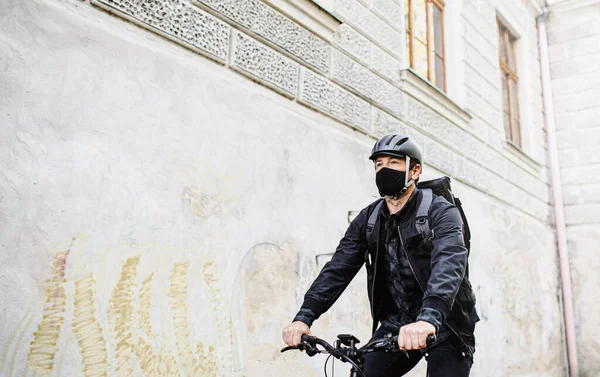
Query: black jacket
point(439, 265)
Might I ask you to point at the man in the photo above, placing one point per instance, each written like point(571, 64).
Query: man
point(417, 286)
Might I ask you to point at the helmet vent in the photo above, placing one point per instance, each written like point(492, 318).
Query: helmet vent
point(402, 141)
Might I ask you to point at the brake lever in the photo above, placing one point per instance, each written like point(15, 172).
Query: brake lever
point(304, 346)
point(298, 347)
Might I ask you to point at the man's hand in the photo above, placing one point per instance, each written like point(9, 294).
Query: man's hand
point(293, 332)
point(414, 336)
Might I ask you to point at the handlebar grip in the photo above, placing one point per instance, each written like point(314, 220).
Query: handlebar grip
point(431, 338)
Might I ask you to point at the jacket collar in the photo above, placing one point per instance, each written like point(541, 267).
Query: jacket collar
point(409, 209)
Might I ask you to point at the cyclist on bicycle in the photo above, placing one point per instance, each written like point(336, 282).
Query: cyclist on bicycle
point(416, 286)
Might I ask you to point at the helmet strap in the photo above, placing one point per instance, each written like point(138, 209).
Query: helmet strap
point(407, 182)
point(407, 159)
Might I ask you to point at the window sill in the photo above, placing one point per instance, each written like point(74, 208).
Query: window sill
point(421, 89)
point(514, 150)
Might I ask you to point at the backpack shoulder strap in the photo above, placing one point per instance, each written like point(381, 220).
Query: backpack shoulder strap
point(369, 230)
point(422, 220)
point(373, 219)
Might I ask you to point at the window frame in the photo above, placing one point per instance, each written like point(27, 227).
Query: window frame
point(515, 131)
point(430, 30)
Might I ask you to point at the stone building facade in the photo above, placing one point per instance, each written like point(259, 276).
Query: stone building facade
point(175, 173)
point(574, 47)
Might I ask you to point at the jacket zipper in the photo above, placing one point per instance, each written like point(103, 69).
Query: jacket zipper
point(374, 275)
point(417, 278)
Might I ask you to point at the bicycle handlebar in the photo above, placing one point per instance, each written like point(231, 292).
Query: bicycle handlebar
point(346, 350)
point(389, 343)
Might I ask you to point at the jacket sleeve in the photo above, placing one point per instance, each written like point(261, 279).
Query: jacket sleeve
point(337, 273)
point(448, 264)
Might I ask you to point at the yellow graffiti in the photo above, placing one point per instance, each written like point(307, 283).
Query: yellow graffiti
point(43, 346)
point(224, 328)
point(194, 364)
point(88, 331)
point(121, 316)
point(153, 365)
point(209, 361)
point(146, 307)
point(126, 344)
point(178, 301)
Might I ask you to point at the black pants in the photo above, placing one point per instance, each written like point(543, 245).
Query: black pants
point(444, 360)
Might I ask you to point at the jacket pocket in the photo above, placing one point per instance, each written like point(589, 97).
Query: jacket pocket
point(465, 296)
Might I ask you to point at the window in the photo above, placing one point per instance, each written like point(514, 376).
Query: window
point(425, 39)
point(510, 84)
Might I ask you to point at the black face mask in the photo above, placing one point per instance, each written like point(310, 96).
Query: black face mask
point(390, 182)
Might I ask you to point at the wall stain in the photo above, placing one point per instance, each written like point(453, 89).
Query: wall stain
point(200, 205)
point(265, 298)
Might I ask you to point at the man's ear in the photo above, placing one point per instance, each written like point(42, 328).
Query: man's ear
point(416, 171)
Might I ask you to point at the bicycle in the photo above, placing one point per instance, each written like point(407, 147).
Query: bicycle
point(346, 351)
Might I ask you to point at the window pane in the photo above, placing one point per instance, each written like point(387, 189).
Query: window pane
point(439, 73)
point(505, 105)
point(515, 112)
point(438, 46)
point(514, 94)
point(516, 136)
point(507, 124)
point(420, 58)
point(511, 52)
point(407, 47)
point(501, 47)
point(419, 20)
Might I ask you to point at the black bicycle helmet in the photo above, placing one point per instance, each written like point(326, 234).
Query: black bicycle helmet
point(397, 145)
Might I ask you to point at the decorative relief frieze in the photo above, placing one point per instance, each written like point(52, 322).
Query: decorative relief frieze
point(359, 16)
point(178, 20)
point(363, 81)
point(321, 94)
point(265, 64)
point(353, 43)
point(266, 22)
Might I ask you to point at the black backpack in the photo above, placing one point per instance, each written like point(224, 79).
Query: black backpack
point(439, 187)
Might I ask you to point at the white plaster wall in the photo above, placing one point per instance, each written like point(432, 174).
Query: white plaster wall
point(119, 144)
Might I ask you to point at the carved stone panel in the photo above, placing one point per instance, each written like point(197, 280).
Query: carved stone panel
point(276, 28)
point(263, 63)
point(352, 74)
point(180, 21)
point(321, 94)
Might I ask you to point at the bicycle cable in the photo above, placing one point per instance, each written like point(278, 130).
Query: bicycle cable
point(356, 367)
point(325, 366)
